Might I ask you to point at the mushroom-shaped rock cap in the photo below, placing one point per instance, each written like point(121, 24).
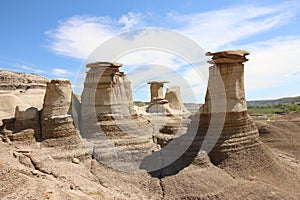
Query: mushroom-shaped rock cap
point(158, 82)
point(228, 56)
point(104, 64)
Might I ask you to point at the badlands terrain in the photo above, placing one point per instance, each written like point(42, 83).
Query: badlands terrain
point(56, 145)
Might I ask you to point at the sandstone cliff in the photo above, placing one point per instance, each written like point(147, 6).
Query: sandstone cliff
point(20, 89)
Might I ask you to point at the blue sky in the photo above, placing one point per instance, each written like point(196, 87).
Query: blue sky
point(54, 38)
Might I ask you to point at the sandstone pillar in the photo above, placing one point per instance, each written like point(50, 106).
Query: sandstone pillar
point(106, 91)
point(156, 89)
point(239, 131)
point(114, 132)
point(56, 120)
point(106, 96)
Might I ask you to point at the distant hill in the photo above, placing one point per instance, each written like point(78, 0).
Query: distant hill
point(272, 102)
point(194, 107)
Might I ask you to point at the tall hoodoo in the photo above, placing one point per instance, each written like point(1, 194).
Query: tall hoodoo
point(239, 131)
point(106, 96)
point(56, 120)
point(109, 122)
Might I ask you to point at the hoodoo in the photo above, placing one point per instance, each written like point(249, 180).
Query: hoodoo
point(56, 119)
point(156, 89)
point(109, 122)
point(239, 131)
point(158, 103)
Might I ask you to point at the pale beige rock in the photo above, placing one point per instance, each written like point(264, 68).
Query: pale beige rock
point(25, 112)
point(108, 115)
point(56, 120)
point(225, 104)
point(36, 172)
point(106, 91)
point(173, 96)
point(226, 90)
point(156, 89)
point(21, 81)
point(75, 161)
point(8, 103)
point(20, 88)
point(158, 104)
point(24, 127)
point(159, 107)
point(58, 98)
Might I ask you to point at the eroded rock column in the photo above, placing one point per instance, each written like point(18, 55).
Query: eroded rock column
point(158, 103)
point(56, 119)
point(106, 96)
point(226, 94)
point(156, 90)
point(114, 132)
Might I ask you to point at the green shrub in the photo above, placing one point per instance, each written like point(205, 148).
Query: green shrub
point(282, 108)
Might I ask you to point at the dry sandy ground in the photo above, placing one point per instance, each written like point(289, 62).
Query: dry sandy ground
point(283, 134)
point(47, 170)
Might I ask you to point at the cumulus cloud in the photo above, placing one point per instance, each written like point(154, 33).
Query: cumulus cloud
point(78, 36)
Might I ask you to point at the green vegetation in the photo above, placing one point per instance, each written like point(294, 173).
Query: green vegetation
point(282, 108)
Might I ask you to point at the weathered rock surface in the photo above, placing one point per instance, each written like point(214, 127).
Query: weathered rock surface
point(238, 149)
point(225, 102)
point(56, 120)
point(58, 97)
point(156, 89)
point(244, 168)
point(22, 81)
point(8, 104)
point(176, 116)
point(24, 127)
point(173, 96)
point(158, 104)
point(20, 89)
point(115, 133)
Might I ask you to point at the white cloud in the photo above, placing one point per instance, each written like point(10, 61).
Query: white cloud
point(214, 29)
point(79, 36)
point(29, 69)
point(61, 72)
point(129, 21)
point(272, 63)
